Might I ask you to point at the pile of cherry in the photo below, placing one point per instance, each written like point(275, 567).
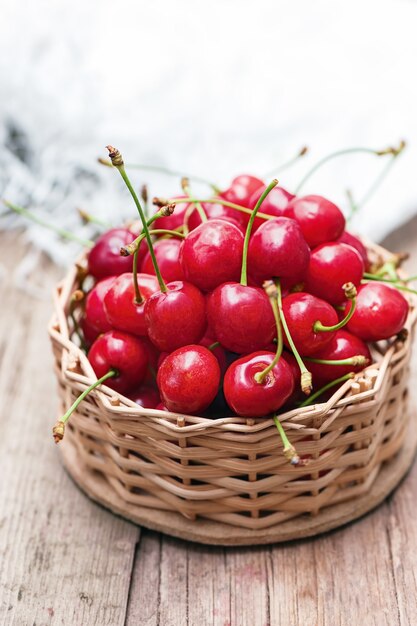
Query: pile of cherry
point(238, 305)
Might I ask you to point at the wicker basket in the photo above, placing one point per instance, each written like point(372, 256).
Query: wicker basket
point(175, 472)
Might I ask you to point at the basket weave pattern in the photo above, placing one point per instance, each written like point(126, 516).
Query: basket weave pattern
point(233, 469)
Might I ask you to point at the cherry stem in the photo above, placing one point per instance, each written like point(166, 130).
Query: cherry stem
point(287, 164)
point(289, 451)
point(244, 273)
point(329, 385)
point(59, 428)
point(213, 346)
point(394, 283)
point(131, 248)
point(185, 184)
point(217, 200)
point(164, 170)
point(65, 234)
point(356, 361)
point(272, 293)
point(350, 293)
point(138, 296)
point(87, 218)
point(339, 153)
point(117, 161)
point(76, 298)
point(306, 377)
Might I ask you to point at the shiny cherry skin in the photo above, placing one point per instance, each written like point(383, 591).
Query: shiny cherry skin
point(343, 345)
point(189, 379)
point(274, 204)
point(320, 220)
point(217, 211)
point(241, 189)
point(249, 398)
point(381, 312)
point(145, 396)
point(356, 243)
point(123, 352)
point(104, 258)
point(96, 321)
point(167, 256)
point(171, 222)
point(331, 266)
point(176, 318)
point(212, 254)
point(119, 302)
point(279, 249)
point(240, 317)
point(301, 311)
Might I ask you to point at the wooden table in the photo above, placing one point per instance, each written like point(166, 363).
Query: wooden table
point(65, 560)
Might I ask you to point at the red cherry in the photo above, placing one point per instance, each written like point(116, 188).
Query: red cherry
point(343, 345)
point(301, 311)
point(104, 259)
point(212, 254)
point(356, 243)
point(146, 396)
point(171, 222)
point(278, 248)
point(217, 211)
point(188, 379)
point(250, 398)
point(241, 189)
point(331, 266)
point(219, 352)
point(176, 317)
point(122, 352)
point(274, 204)
point(320, 220)
point(381, 312)
point(167, 256)
point(240, 317)
point(121, 309)
point(95, 318)
point(162, 407)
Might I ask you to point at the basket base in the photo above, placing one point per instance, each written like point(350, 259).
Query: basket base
point(217, 533)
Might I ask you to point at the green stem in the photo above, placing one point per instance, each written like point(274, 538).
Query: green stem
point(216, 200)
point(213, 345)
point(328, 158)
point(290, 452)
point(92, 219)
point(197, 203)
point(132, 247)
point(380, 178)
point(350, 293)
point(306, 378)
point(65, 234)
point(260, 376)
point(165, 170)
point(138, 296)
point(318, 393)
point(59, 428)
point(118, 163)
point(287, 164)
point(356, 361)
point(394, 283)
point(244, 273)
point(389, 280)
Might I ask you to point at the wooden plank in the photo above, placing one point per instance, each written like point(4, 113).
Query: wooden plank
point(63, 560)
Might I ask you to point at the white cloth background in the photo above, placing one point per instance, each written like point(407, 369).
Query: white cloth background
point(213, 88)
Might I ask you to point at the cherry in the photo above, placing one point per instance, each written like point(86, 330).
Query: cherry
point(211, 254)
point(122, 310)
point(175, 317)
point(217, 350)
point(146, 396)
point(320, 220)
point(343, 345)
point(302, 311)
point(95, 319)
point(104, 258)
point(278, 248)
point(356, 243)
point(122, 352)
point(381, 312)
point(167, 255)
point(241, 189)
point(248, 397)
point(188, 379)
point(275, 203)
point(331, 266)
point(240, 317)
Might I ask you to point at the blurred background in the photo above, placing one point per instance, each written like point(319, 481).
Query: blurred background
point(213, 89)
